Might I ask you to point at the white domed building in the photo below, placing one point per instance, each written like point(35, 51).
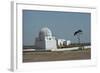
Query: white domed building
point(45, 40)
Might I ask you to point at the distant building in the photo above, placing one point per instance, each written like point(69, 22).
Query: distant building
point(60, 43)
point(68, 42)
point(63, 43)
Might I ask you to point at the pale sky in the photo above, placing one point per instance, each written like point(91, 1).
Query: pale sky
point(62, 24)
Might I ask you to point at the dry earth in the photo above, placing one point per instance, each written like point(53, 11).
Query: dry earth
point(56, 55)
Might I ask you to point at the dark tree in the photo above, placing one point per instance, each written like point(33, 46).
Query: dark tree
point(78, 33)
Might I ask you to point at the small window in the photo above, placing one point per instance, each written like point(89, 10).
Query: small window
point(49, 38)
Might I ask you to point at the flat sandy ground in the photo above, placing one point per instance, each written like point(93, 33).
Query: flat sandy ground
point(56, 55)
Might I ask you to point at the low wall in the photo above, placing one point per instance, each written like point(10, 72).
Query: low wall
point(62, 49)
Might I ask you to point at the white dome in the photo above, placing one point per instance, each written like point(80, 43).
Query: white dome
point(45, 32)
